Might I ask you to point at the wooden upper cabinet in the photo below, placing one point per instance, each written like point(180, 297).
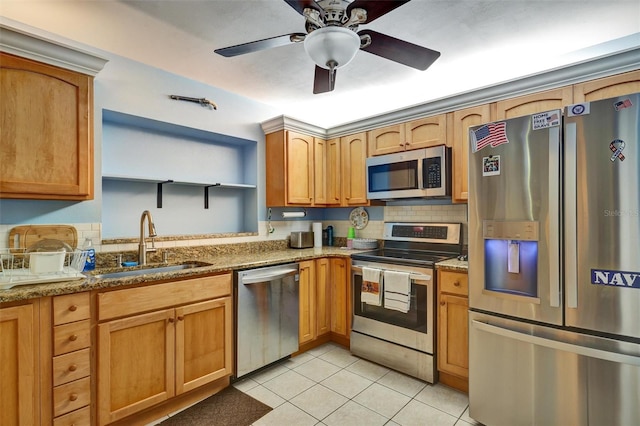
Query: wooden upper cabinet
point(608, 87)
point(534, 103)
point(289, 169)
point(320, 171)
point(426, 132)
point(354, 169)
point(462, 121)
point(420, 133)
point(386, 140)
point(333, 174)
point(46, 136)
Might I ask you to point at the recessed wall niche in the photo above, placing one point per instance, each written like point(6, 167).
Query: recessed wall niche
point(193, 181)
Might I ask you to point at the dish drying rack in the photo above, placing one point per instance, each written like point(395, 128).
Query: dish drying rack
point(19, 268)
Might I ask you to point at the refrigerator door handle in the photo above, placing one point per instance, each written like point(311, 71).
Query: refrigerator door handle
point(557, 345)
point(570, 216)
point(554, 219)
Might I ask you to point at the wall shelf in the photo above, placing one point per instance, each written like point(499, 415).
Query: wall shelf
point(160, 182)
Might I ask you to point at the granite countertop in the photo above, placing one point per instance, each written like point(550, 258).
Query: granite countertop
point(453, 265)
point(211, 264)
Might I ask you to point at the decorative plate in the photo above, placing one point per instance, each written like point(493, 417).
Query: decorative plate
point(359, 217)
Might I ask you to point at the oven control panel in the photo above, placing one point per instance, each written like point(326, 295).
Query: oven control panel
point(446, 233)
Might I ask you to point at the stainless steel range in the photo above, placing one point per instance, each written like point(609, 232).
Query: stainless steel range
point(393, 296)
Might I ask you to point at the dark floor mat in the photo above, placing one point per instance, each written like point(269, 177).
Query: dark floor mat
point(228, 407)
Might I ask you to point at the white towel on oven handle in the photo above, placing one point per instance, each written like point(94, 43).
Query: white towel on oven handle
point(397, 290)
point(370, 293)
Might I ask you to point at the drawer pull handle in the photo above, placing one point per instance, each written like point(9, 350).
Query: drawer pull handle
point(73, 397)
point(73, 308)
point(171, 320)
point(442, 303)
point(73, 337)
point(457, 283)
point(73, 367)
point(180, 318)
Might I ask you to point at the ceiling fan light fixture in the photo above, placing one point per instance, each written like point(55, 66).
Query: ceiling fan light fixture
point(332, 47)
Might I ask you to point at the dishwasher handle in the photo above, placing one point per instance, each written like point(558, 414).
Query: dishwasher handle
point(265, 278)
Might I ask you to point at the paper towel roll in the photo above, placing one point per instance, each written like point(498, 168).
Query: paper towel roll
point(289, 215)
point(317, 234)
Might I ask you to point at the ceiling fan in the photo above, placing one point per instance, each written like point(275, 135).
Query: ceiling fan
point(332, 38)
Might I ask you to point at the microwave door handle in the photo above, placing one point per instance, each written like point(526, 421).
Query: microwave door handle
point(421, 174)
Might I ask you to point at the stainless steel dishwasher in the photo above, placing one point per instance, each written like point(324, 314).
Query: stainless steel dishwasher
point(266, 316)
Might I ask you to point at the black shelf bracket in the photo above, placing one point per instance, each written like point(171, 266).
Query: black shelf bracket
point(206, 194)
point(159, 196)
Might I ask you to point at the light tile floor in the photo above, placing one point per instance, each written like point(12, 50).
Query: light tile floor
point(329, 386)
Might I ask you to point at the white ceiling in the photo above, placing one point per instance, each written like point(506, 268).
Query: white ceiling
point(482, 42)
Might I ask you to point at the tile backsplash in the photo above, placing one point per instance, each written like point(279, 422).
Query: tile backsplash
point(282, 229)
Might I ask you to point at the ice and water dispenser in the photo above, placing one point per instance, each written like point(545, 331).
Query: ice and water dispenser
point(511, 257)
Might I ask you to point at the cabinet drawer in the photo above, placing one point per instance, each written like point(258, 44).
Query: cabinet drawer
point(78, 418)
point(132, 301)
point(71, 337)
point(454, 282)
point(71, 366)
point(71, 396)
point(70, 308)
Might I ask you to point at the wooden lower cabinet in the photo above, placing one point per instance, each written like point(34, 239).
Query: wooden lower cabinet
point(148, 358)
point(323, 296)
point(324, 307)
point(340, 305)
point(453, 329)
point(307, 302)
point(19, 371)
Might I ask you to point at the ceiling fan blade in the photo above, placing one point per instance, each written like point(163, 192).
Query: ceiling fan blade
point(400, 51)
point(324, 80)
point(254, 46)
point(375, 8)
point(299, 5)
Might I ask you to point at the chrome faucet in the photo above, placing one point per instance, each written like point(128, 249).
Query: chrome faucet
point(142, 246)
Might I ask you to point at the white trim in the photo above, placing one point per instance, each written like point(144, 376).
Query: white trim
point(31, 46)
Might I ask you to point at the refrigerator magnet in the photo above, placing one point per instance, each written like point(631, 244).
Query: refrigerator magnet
point(545, 120)
point(491, 165)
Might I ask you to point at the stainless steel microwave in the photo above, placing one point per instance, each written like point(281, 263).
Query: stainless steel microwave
point(420, 173)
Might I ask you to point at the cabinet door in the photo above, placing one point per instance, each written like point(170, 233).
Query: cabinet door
point(323, 296)
point(320, 171)
point(354, 169)
point(18, 366)
point(608, 87)
point(204, 342)
point(340, 305)
point(307, 302)
point(299, 169)
point(534, 103)
point(45, 144)
point(453, 335)
point(426, 132)
point(135, 364)
point(386, 140)
point(333, 175)
point(462, 120)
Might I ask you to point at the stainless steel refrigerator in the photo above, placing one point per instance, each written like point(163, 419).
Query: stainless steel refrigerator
point(554, 267)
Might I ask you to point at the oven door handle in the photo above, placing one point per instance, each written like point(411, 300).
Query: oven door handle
point(412, 277)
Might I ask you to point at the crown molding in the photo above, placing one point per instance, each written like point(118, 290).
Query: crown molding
point(628, 60)
point(29, 45)
point(287, 123)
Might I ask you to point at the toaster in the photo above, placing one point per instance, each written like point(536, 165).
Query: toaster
point(301, 239)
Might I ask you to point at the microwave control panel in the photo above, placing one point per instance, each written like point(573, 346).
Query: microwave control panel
point(432, 172)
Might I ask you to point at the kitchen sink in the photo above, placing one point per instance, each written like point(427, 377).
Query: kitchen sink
point(151, 270)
